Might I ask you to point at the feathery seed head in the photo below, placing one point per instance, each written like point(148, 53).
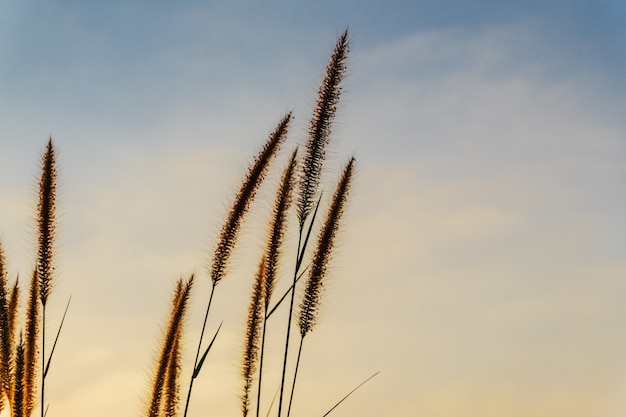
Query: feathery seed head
point(254, 177)
point(31, 350)
point(46, 222)
point(170, 349)
point(311, 298)
point(320, 127)
point(278, 226)
point(253, 336)
point(17, 402)
point(6, 338)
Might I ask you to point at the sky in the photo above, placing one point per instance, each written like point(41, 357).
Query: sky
point(481, 261)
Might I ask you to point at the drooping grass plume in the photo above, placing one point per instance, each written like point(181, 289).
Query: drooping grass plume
point(309, 305)
point(230, 229)
point(171, 344)
point(320, 127)
point(31, 352)
point(17, 403)
point(5, 340)
point(244, 197)
point(253, 337)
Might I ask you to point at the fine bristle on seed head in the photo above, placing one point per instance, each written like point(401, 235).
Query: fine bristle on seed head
point(170, 348)
point(320, 127)
point(46, 222)
point(310, 301)
point(278, 225)
point(244, 197)
point(253, 336)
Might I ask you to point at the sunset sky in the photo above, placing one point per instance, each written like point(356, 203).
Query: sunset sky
point(481, 265)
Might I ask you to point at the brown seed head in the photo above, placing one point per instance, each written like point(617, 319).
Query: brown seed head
point(311, 298)
point(255, 176)
point(320, 127)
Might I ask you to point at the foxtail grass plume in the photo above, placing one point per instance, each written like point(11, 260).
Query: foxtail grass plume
point(31, 352)
point(311, 167)
point(172, 388)
point(18, 408)
point(278, 226)
point(244, 197)
point(5, 334)
point(310, 300)
point(171, 344)
point(14, 301)
point(46, 226)
point(320, 127)
point(253, 336)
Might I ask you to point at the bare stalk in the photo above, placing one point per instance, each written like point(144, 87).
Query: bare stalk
point(272, 253)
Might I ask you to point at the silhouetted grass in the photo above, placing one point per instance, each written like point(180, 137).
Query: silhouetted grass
point(23, 360)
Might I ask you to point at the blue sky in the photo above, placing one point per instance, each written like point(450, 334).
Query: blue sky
point(483, 256)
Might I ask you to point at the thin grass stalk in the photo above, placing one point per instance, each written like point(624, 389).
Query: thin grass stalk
point(43, 358)
point(253, 336)
point(261, 355)
point(299, 257)
point(295, 375)
point(30, 345)
point(195, 363)
point(17, 403)
point(172, 334)
point(56, 339)
point(285, 356)
point(272, 255)
point(269, 410)
point(350, 393)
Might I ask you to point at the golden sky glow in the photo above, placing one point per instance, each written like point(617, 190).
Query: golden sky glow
point(481, 263)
